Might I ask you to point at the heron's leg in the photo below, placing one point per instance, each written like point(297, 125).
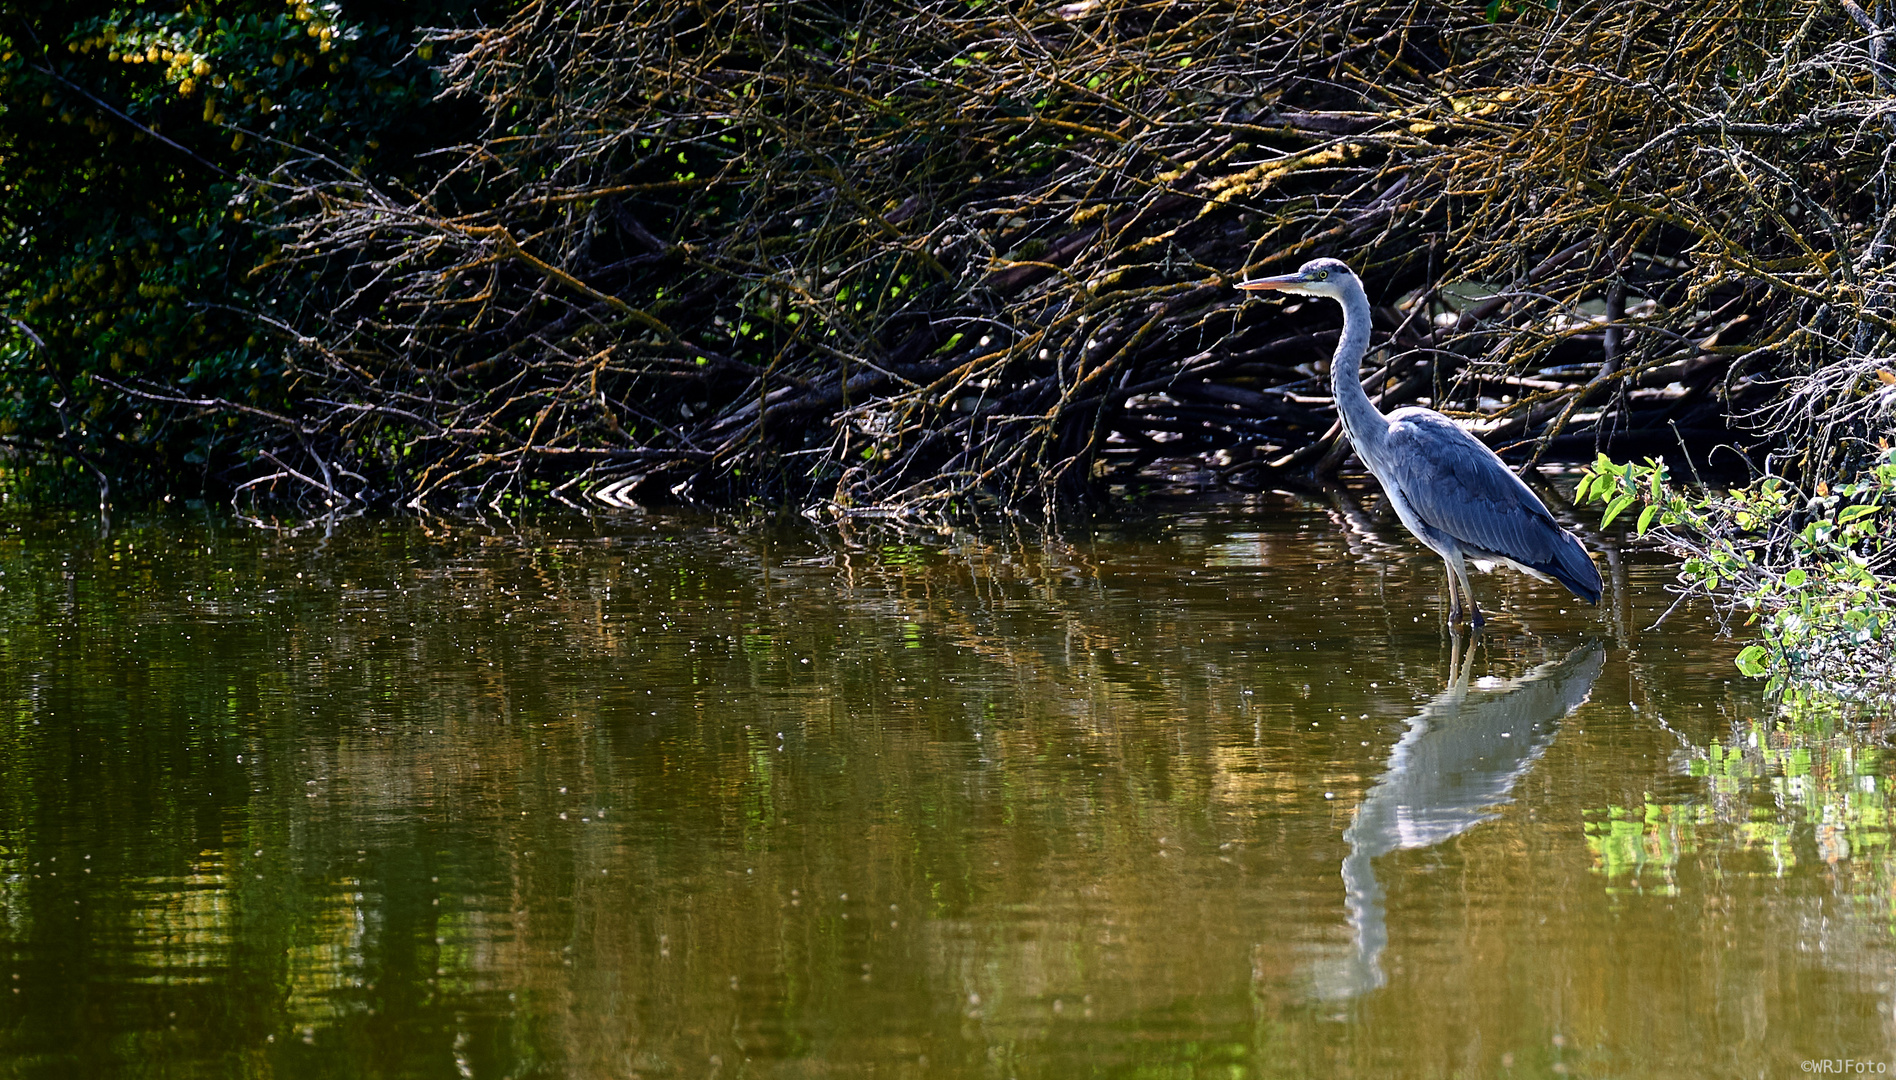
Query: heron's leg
point(1458, 577)
point(1454, 597)
point(1475, 618)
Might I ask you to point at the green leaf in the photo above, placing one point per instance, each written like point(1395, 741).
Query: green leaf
point(1613, 509)
point(1795, 578)
point(1645, 517)
point(1750, 660)
point(1852, 513)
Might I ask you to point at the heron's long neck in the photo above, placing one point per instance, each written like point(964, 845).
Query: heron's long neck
point(1366, 426)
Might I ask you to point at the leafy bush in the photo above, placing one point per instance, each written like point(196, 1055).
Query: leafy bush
point(1817, 570)
point(129, 138)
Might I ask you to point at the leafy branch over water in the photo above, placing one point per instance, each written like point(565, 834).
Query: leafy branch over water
point(1817, 569)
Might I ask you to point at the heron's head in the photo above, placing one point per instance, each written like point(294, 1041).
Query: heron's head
point(1318, 277)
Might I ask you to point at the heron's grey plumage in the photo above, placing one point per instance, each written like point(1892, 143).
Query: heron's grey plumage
point(1451, 491)
point(1460, 489)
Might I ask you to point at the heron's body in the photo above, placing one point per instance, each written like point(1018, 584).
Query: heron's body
point(1451, 491)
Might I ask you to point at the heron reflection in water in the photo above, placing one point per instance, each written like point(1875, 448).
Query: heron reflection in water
point(1461, 757)
point(1451, 491)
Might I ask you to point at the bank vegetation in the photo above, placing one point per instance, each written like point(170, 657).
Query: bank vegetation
point(903, 259)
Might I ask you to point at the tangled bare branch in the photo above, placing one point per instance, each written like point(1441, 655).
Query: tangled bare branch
point(890, 257)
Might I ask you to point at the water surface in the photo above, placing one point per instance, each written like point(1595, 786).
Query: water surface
point(1208, 793)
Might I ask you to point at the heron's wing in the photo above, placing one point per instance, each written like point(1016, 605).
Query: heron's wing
point(1456, 486)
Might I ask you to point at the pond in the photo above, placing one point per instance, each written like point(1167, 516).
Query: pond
point(1211, 791)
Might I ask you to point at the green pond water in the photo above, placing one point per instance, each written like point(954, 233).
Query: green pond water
point(1210, 793)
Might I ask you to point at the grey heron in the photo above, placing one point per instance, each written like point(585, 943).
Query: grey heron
point(1449, 489)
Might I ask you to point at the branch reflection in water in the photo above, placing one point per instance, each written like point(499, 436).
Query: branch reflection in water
point(1461, 757)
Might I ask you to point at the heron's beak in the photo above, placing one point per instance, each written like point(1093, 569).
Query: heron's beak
point(1281, 281)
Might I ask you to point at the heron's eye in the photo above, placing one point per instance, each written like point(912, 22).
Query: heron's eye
point(1322, 275)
